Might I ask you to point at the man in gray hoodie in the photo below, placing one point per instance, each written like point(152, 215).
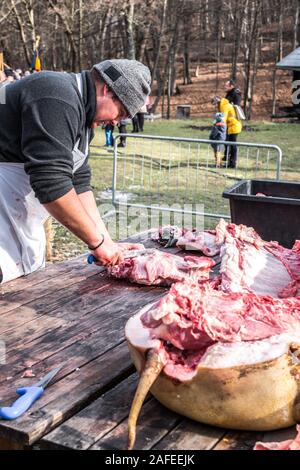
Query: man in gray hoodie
point(46, 125)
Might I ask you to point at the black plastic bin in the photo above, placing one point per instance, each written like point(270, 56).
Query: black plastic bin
point(275, 214)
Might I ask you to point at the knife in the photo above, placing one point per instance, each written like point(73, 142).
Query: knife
point(28, 396)
point(127, 254)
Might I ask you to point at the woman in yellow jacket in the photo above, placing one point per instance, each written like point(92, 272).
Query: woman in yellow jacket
point(234, 128)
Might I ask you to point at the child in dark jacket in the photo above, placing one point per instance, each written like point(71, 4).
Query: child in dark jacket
point(218, 132)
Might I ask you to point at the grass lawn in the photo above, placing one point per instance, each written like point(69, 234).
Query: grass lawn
point(157, 172)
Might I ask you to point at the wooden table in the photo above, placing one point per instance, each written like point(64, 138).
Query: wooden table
point(71, 314)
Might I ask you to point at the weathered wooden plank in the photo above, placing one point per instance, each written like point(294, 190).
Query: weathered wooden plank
point(190, 435)
point(61, 346)
point(13, 300)
point(238, 440)
point(56, 270)
point(37, 297)
point(97, 292)
point(154, 423)
point(55, 300)
point(42, 275)
point(68, 311)
point(89, 425)
point(66, 397)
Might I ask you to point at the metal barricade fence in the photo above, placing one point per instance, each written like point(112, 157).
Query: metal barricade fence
point(157, 172)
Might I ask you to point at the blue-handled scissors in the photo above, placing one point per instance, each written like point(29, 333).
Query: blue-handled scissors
point(28, 396)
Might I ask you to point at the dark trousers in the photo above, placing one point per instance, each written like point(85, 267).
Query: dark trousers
point(141, 120)
point(230, 154)
point(135, 124)
point(122, 130)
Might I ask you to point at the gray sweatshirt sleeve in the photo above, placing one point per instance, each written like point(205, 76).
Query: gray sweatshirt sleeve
point(49, 132)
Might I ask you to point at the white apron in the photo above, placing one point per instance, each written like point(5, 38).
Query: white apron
point(22, 235)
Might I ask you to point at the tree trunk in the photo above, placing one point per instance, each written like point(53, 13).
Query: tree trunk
point(218, 44)
point(21, 29)
point(274, 89)
point(296, 25)
point(280, 30)
point(160, 91)
point(80, 30)
point(173, 50)
point(54, 49)
point(278, 57)
point(253, 77)
point(254, 30)
point(186, 56)
point(160, 36)
point(239, 13)
point(169, 92)
point(129, 20)
point(103, 30)
point(30, 13)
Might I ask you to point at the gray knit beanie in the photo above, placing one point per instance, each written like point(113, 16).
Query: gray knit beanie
point(128, 79)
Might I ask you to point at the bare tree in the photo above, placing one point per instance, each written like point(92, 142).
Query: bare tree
point(171, 36)
point(238, 14)
point(129, 28)
point(296, 25)
point(158, 38)
point(251, 52)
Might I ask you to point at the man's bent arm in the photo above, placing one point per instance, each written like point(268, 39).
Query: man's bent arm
point(68, 210)
point(88, 202)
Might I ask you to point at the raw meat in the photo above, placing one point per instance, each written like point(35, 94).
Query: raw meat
point(249, 264)
point(194, 317)
point(290, 444)
point(28, 374)
point(162, 268)
point(167, 236)
point(188, 239)
point(193, 314)
point(200, 241)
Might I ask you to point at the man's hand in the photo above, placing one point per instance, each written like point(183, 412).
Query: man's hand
point(108, 254)
point(111, 253)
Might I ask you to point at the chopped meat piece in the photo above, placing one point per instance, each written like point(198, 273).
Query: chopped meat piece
point(161, 268)
point(201, 241)
point(28, 374)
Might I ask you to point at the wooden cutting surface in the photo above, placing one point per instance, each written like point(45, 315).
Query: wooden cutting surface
point(72, 314)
